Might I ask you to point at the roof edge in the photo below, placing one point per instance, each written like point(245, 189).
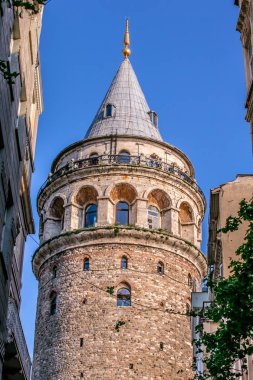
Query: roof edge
point(80, 142)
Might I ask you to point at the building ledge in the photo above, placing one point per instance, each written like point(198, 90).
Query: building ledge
point(115, 234)
point(131, 163)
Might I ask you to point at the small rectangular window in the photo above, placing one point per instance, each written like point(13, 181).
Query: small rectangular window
point(161, 346)
point(81, 342)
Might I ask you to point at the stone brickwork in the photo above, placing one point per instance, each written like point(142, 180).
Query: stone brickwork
point(85, 309)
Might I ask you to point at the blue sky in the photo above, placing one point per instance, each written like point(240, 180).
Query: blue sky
point(188, 59)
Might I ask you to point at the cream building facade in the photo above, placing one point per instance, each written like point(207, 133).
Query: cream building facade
point(20, 107)
point(120, 229)
point(224, 202)
point(245, 27)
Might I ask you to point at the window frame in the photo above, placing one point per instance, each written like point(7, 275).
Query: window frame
point(86, 264)
point(124, 157)
point(124, 302)
point(124, 263)
point(122, 210)
point(86, 225)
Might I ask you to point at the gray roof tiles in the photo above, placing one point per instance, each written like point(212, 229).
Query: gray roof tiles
point(130, 115)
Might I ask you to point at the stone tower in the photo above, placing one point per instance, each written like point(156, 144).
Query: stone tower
point(120, 249)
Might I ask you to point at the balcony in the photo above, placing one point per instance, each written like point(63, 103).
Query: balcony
point(113, 160)
point(17, 362)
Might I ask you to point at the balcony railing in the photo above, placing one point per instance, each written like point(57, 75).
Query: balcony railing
point(15, 331)
point(105, 160)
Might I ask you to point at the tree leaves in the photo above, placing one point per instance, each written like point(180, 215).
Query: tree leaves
point(232, 309)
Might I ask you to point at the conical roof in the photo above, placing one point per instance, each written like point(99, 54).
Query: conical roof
point(130, 111)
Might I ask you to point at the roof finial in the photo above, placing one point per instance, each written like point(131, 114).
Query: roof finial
point(126, 51)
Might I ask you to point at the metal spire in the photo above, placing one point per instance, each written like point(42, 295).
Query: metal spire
point(126, 51)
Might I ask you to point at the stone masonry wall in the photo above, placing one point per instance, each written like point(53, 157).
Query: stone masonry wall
point(85, 310)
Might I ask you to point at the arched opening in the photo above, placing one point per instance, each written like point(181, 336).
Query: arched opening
point(124, 195)
point(124, 262)
point(56, 216)
point(160, 267)
point(186, 221)
point(86, 198)
point(124, 157)
point(159, 213)
point(190, 282)
point(90, 218)
point(124, 296)
point(86, 264)
point(93, 159)
point(53, 303)
point(122, 213)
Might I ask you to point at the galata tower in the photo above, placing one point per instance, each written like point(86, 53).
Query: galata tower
point(119, 255)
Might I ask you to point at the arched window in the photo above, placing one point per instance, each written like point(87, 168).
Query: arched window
point(56, 212)
point(124, 296)
point(124, 157)
point(122, 213)
point(93, 159)
point(53, 303)
point(90, 215)
point(154, 217)
point(124, 262)
point(86, 264)
point(108, 110)
point(190, 282)
point(160, 267)
point(54, 271)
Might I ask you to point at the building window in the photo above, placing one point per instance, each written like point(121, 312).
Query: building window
point(124, 157)
point(122, 213)
point(160, 267)
point(124, 262)
point(93, 159)
point(161, 346)
point(153, 118)
point(190, 282)
point(154, 217)
point(108, 110)
point(53, 303)
point(90, 215)
point(54, 272)
point(86, 264)
point(124, 297)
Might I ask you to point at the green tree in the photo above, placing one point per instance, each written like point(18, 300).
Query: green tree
point(232, 309)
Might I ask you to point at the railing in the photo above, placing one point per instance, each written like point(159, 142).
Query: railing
point(103, 160)
point(15, 330)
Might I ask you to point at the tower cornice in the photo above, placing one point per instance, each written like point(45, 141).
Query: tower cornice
point(111, 235)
